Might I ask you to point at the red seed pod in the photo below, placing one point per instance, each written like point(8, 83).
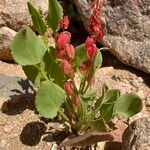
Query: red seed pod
point(70, 50)
point(62, 39)
point(91, 51)
point(97, 11)
point(100, 35)
point(68, 87)
point(64, 23)
point(94, 21)
point(85, 65)
point(76, 100)
point(60, 53)
point(67, 68)
point(89, 41)
point(94, 24)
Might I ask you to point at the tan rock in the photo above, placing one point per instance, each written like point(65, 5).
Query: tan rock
point(6, 37)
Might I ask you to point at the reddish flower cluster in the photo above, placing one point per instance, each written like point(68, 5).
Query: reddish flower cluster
point(85, 65)
point(69, 88)
point(62, 39)
point(64, 23)
point(66, 52)
point(94, 24)
point(76, 100)
point(67, 68)
point(91, 51)
point(91, 48)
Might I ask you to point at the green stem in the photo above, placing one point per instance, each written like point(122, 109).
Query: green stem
point(42, 72)
point(63, 115)
point(68, 108)
point(86, 88)
point(91, 73)
point(76, 90)
point(82, 85)
point(104, 48)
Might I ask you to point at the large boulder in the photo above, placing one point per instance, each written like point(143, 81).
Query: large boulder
point(137, 135)
point(13, 16)
point(127, 29)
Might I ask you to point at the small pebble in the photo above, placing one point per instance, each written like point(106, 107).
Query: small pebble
point(54, 147)
point(16, 135)
point(4, 144)
point(8, 128)
point(46, 147)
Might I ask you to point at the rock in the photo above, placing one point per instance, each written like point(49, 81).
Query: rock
point(11, 69)
point(47, 146)
point(121, 79)
point(13, 86)
point(1, 19)
point(6, 37)
point(4, 144)
point(148, 100)
point(15, 14)
point(127, 31)
point(8, 128)
point(100, 146)
point(16, 135)
point(119, 128)
point(54, 147)
point(137, 135)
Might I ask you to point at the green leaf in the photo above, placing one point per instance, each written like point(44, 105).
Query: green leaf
point(37, 20)
point(27, 48)
point(98, 125)
point(55, 14)
point(108, 96)
point(98, 60)
point(89, 94)
point(52, 67)
point(107, 109)
point(81, 55)
point(107, 112)
point(128, 105)
point(33, 74)
point(49, 99)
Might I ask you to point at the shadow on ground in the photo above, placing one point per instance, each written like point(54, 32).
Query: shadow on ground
point(32, 133)
point(21, 100)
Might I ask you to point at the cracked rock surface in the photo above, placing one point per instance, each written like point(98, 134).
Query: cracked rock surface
point(137, 135)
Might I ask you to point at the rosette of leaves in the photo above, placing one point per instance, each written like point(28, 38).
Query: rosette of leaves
point(42, 69)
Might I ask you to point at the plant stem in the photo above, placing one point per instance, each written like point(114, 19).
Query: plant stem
point(68, 108)
point(74, 84)
point(82, 85)
point(104, 48)
point(86, 88)
point(63, 115)
point(42, 72)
